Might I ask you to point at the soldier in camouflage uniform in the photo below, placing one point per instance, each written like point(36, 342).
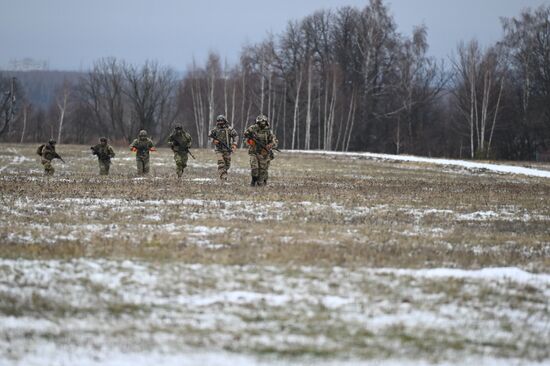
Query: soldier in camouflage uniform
point(226, 139)
point(141, 146)
point(180, 142)
point(47, 153)
point(261, 141)
point(104, 154)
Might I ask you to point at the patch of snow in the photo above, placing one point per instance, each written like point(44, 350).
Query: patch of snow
point(107, 312)
point(506, 169)
point(16, 160)
point(487, 274)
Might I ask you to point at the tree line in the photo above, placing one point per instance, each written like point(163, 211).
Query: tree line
point(341, 79)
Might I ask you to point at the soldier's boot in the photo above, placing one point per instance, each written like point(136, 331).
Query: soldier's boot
point(223, 176)
point(262, 177)
point(49, 171)
point(254, 174)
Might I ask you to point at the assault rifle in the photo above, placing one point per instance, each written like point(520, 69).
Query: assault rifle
point(252, 136)
point(57, 156)
point(229, 150)
point(185, 149)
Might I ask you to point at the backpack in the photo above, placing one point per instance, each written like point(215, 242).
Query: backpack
point(39, 150)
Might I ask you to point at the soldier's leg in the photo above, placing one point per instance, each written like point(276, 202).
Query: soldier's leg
point(222, 171)
point(266, 170)
point(103, 168)
point(146, 166)
point(107, 167)
point(227, 159)
point(139, 163)
point(254, 169)
point(179, 164)
point(184, 158)
point(263, 165)
point(48, 167)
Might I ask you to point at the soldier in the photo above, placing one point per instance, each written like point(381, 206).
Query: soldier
point(180, 142)
point(104, 154)
point(261, 141)
point(226, 139)
point(141, 146)
point(47, 153)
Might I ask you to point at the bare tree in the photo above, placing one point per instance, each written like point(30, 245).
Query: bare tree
point(150, 90)
point(213, 71)
point(9, 90)
point(61, 102)
point(478, 89)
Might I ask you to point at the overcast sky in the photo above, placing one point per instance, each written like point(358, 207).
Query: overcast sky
point(71, 34)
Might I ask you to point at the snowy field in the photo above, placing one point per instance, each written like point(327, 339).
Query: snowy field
point(344, 259)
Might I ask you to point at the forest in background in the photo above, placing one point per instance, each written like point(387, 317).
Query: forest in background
point(343, 80)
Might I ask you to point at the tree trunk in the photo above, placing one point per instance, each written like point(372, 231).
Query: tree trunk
point(24, 123)
point(62, 107)
point(296, 110)
point(495, 116)
point(308, 111)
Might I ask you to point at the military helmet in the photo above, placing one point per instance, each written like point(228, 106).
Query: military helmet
point(142, 133)
point(178, 127)
point(221, 118)
point(52, 142)
point(261, 118)
point(103, 139)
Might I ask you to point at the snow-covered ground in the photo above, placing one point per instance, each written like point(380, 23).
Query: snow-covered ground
point(89, 311)
point(353, 263)
point(88, 219)
point(499, 168)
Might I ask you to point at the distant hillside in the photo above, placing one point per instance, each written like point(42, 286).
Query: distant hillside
point(40, 85)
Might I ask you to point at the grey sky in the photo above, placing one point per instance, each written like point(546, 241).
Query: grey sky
point(71, 34)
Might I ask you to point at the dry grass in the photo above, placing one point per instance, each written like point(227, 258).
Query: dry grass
point(316, 210)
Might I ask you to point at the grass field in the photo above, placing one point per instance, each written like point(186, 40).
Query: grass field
point(339, 260)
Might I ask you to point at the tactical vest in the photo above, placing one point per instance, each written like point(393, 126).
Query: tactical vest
point(103, 152)
point(181, 142)
point(48, 152)
point(142, 146)
point(223, 135)
point(264, 137)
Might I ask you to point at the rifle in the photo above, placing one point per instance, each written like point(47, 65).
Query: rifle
point(252, 136)
point(186, 149)
point(57, 156)
point(229, 150)
point(189, 152)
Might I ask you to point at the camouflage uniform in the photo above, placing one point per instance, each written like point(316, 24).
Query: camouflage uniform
point(48, 153)
point(180, 142)
point(141, 146)
point(226, 135)
point(260, 154)
point(104, 154)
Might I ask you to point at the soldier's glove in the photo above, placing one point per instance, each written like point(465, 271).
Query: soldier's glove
point(269, 146)
point(153, 149)
point(215, 142)
point(134, 149)
point(234, 147)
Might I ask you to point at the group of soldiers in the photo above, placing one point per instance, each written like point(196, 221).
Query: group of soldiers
point(259, 137)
